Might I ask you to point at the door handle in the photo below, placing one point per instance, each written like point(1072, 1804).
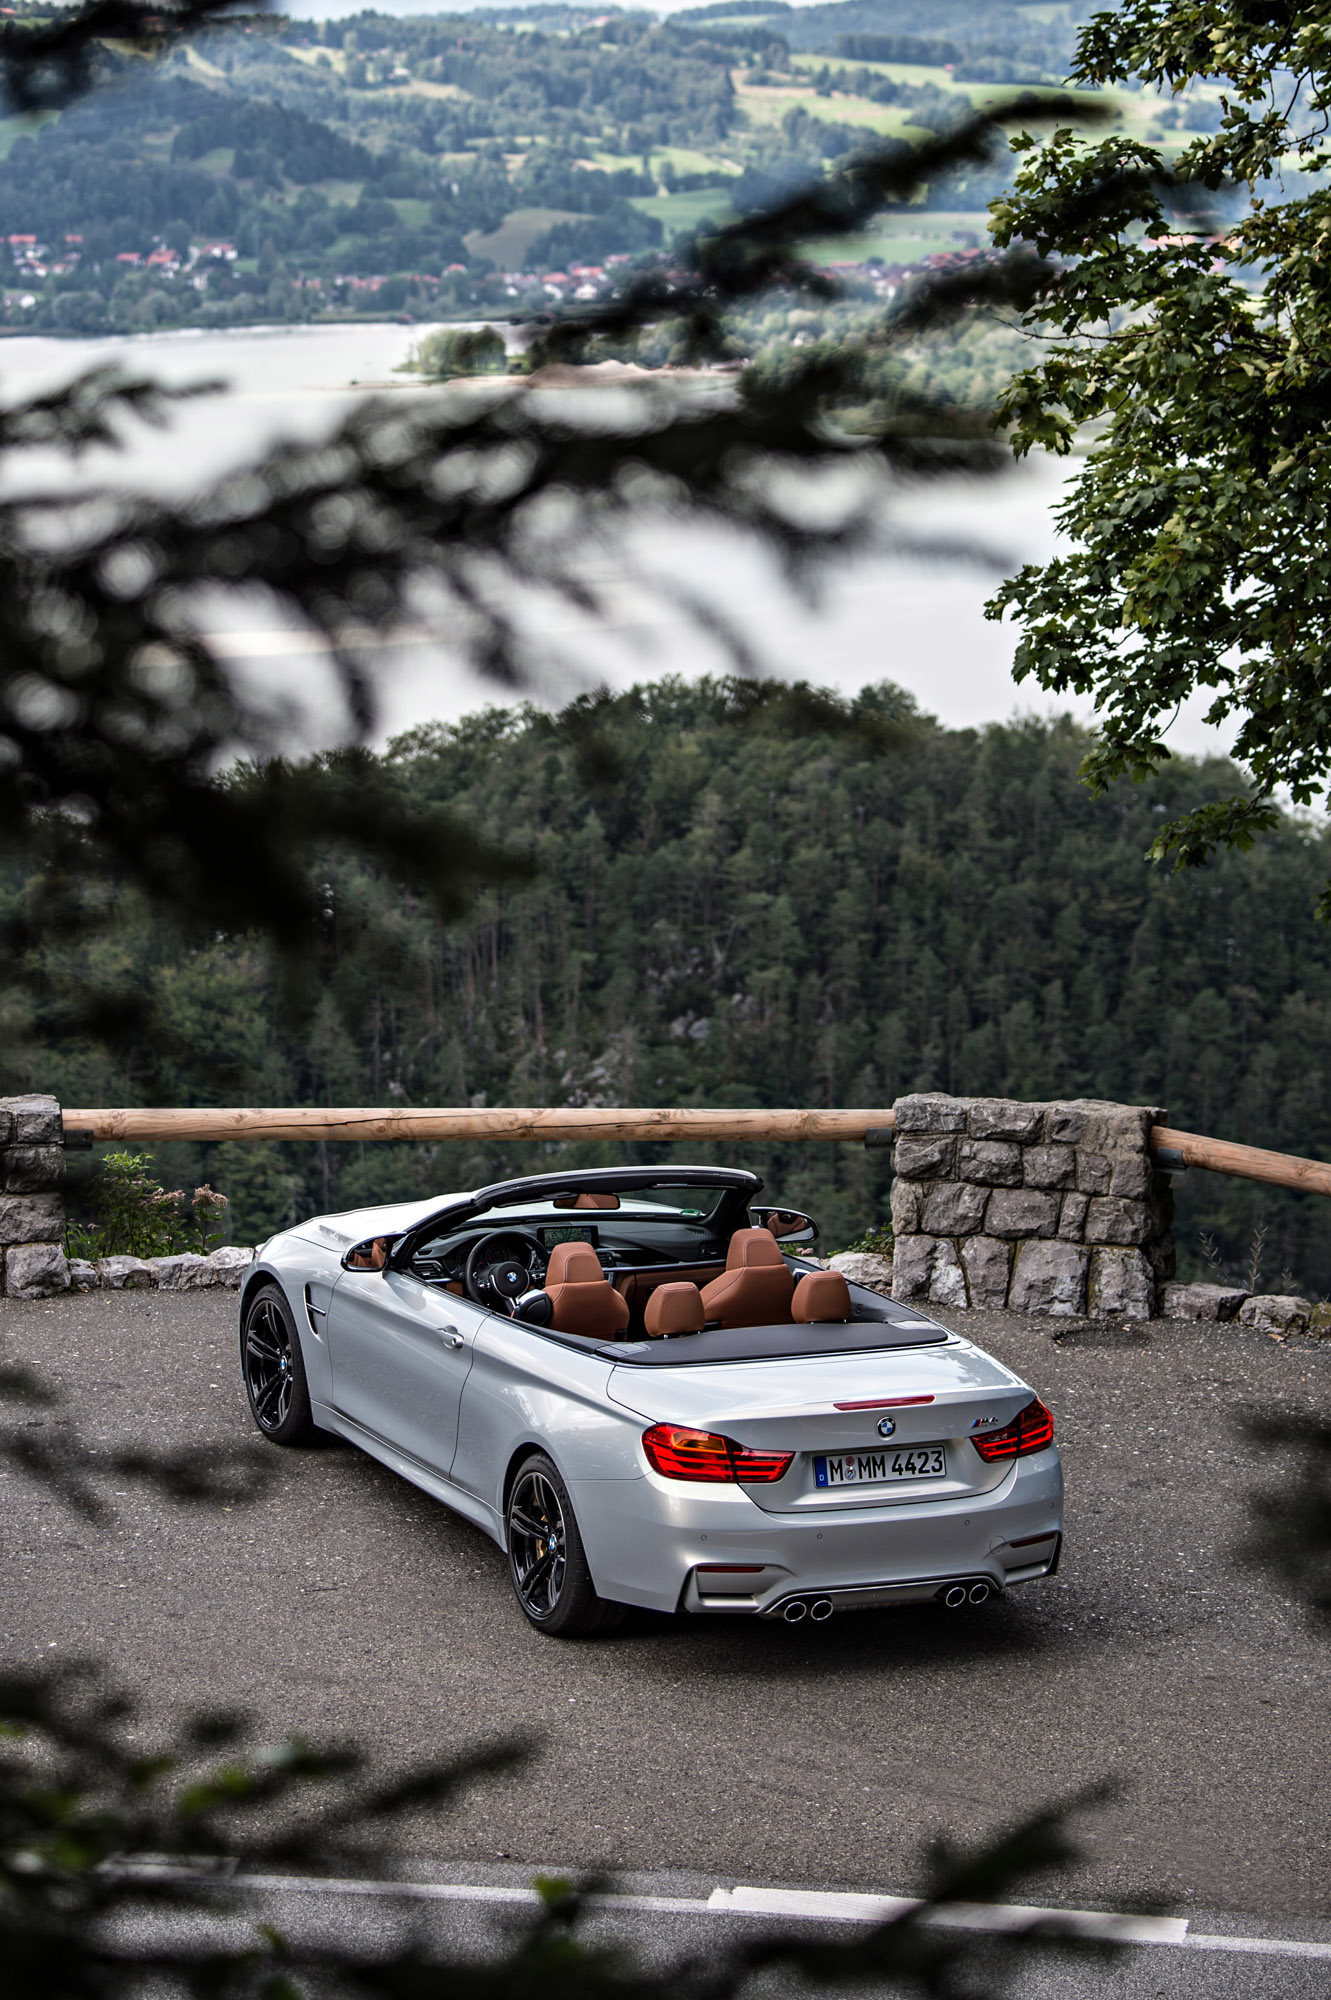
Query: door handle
point(451, 1337)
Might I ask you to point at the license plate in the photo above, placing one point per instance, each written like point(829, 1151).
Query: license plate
point(882, 1468)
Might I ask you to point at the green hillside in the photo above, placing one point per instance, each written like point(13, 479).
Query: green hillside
point(740, 904)
point(435, 165)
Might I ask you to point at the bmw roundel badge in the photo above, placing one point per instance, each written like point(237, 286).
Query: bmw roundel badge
point(886, 1427)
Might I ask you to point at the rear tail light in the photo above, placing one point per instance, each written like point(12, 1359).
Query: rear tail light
point(702, 1455)
point(1030, 1430)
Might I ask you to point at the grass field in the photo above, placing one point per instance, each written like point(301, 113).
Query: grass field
point(685, 211)
point(1130, 112)
point(897, 239)
point(412, 213)
point(26, 125)
point(508, 245)
point(768, 103)
point(685, 161)
point(421, 87)
point(915, 73)
point(905, 239)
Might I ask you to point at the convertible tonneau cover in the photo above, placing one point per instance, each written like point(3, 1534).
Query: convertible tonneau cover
point(772, 1343)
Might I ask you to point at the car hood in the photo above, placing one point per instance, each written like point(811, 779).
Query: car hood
point(357, 1223)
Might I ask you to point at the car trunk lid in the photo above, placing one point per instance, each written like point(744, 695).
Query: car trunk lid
point(827, 1411)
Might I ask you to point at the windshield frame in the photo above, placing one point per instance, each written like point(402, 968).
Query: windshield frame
point(738, 1189)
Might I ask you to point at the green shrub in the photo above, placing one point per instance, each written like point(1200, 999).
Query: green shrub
point(461, 350)
point(878, 1242)
point(135, 1216)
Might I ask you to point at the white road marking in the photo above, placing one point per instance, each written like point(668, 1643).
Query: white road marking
point(811, 1905)
point(1272, 1947)
point(831, 1907)
point(452, 1892)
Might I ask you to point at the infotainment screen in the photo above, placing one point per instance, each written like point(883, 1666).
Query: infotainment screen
point(569, 1232)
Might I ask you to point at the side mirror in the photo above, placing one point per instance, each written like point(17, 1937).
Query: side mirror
point(788, 1225)
point(371, 1255)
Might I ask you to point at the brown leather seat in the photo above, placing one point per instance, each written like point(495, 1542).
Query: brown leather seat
point(755, 1287)
point(582, 1298)
point(673, 1309)
point(820, 1296)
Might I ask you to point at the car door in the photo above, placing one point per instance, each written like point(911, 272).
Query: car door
point(400, 1352)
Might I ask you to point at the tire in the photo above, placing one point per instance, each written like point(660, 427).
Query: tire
point(549, 1572)
point(274, 1370)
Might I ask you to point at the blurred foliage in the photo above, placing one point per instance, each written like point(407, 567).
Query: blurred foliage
point(124, 1854)
point(125, 727)
point(1291, 1521)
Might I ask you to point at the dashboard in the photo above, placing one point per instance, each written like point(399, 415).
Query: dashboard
point(634, 1244)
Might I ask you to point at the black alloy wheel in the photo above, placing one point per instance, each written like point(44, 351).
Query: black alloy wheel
point(546, 1560)
point(274, 1372)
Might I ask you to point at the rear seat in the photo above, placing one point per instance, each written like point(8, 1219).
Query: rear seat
point(673, 1309)
point(821, 1297)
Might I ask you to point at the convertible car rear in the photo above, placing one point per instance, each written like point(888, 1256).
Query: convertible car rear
point(633, 1380)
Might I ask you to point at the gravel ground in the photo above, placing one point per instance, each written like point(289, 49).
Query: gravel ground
point(341, 1601)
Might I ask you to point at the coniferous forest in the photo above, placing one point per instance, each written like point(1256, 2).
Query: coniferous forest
point(753, 897)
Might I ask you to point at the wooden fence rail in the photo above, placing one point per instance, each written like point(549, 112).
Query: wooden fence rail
point(563, 1122)
point(1173, 1148)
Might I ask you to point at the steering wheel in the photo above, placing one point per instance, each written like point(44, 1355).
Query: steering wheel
point(491, 1279)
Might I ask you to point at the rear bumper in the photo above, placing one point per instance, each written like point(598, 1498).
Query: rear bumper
point(711, 1550)
point(952, 1591)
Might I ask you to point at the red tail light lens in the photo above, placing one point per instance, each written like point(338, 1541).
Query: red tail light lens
point(703, 1455)
point(761, 1466)
point(1030, 1430)
point(681, 1454)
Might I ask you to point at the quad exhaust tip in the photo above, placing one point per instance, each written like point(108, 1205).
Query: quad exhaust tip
point(817, 1608)
point(971, 1590)
point(958, 1594)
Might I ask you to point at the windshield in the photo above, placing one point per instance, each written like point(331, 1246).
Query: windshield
point(670, 1202)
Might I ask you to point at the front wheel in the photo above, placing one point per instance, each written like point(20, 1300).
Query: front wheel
point(270, 1361)
point(546, 1559)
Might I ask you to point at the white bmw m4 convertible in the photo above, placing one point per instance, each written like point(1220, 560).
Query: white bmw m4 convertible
point(634, 1382)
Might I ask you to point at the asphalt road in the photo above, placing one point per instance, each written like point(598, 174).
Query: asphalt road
point(666, 1920)
point(343, 1602)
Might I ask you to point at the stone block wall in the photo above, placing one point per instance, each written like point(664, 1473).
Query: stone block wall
point(1039, 1207)
point(32, 1209)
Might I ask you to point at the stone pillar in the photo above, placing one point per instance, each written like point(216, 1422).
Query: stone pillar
point(1039, 1207)
point(32, 1209)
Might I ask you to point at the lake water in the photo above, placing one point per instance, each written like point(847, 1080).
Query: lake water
point(894, 616)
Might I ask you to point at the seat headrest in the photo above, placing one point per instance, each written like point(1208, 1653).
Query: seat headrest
point(573, 1264)
point(820, 1296)
point(673, 1309)
point(752, 1246)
